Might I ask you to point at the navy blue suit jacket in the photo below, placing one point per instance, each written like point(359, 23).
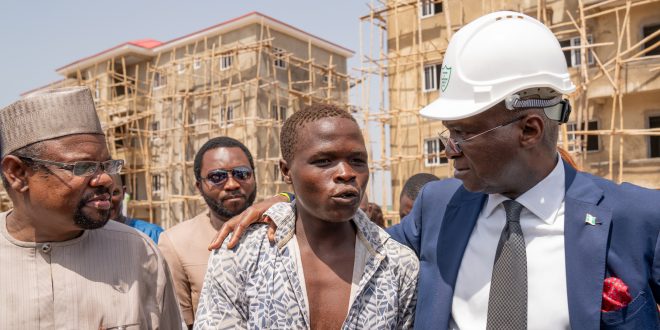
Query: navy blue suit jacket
point(624, 243)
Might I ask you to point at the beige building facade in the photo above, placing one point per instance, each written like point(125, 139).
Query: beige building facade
point(160, 102)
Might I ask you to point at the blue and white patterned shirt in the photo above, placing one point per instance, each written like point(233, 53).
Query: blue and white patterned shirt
point(257, 285)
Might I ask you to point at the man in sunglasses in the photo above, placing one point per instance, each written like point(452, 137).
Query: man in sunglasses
point(64, 265)
point(224, 174)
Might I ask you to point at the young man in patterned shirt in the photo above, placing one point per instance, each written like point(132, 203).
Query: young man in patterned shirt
point(331, 267)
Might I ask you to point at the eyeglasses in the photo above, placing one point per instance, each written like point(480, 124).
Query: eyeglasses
point(83, 168)
point(218, 177)
point(454, 145)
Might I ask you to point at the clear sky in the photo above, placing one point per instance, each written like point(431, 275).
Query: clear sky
point(41, 36)
point(38, 37)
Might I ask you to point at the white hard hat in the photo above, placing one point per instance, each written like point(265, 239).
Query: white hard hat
point(494, 57)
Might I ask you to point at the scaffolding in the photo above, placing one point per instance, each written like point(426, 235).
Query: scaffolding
point(157, 112)
point(397, 43)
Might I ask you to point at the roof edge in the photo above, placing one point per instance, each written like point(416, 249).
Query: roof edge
point(125, 47)
point(251, 17)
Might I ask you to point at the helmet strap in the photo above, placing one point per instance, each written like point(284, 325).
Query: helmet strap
point(555, 108)
point(559, 112)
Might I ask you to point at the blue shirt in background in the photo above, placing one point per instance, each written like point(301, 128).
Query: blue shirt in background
point(152, 230)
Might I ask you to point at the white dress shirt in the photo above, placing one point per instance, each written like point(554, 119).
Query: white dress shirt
point(542, 222)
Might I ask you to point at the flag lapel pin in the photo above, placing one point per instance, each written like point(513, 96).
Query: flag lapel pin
point(590, 219)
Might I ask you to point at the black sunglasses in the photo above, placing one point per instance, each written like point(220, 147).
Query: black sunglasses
point(218, 177)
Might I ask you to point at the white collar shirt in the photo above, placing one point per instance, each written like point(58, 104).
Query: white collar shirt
point(542, 223)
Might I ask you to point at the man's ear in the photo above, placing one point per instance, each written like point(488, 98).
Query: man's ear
point(284, 168)
point(533, 129)
point(16, 173)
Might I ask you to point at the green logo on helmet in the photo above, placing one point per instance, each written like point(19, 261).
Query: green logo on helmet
point(445, 74)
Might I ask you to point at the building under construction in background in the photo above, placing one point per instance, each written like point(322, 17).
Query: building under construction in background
point(612, 49)
point(159, 102)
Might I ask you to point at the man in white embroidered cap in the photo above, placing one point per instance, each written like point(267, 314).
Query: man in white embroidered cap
point(64, 265)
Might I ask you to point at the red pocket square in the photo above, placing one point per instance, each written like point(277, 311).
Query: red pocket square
point(615, 294)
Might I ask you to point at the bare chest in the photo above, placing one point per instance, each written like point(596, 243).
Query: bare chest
point(328, 284)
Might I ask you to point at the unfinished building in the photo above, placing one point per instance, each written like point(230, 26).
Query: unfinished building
point(612, 49)
point(159, 102)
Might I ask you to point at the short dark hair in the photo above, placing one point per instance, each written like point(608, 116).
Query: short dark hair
point(415, 183)
point(31, 151)
point(312, 113)
point(215, 143)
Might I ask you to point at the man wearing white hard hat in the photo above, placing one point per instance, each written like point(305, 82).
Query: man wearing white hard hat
point(520, 239)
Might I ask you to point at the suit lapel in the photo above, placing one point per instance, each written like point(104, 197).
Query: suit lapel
point(459, 220)
point(586, 230)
